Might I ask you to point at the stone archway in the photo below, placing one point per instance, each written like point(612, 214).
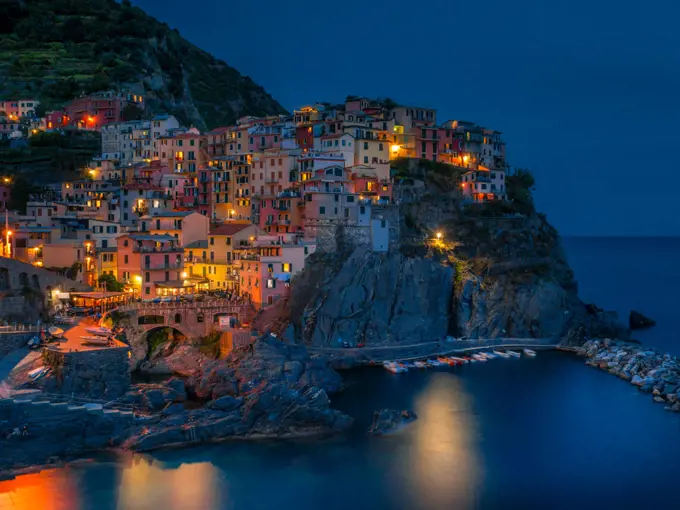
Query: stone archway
point(156, 339)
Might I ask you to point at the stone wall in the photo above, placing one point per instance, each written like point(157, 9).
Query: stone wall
point(15, 275)
point(12, 341)
point(101, 373)
point(332, 235)
point(55, 429)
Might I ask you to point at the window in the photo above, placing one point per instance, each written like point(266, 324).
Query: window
point(125, 243)
point(286, 267)
point(365, 159)
point(147, 277)
point(212, 241)
point(271, 283)
point(322, 210)
point(344, 142)
point(365, 145)
point(362, 210)
point(350, 199)
point(380, 147)
point(147, 290)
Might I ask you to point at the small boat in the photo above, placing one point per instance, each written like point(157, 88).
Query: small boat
point(514, 354)
point(470, 359)
point(33, 343)
point(489, 355)
point(37, 373)
point(101, 331)
point(95, 340)
point(434, 363)
point(479, 357)
point(393, 367)
point(461, 360)
point(419, 364)
point(56, 332)
point(501, 354)
point(530, 353)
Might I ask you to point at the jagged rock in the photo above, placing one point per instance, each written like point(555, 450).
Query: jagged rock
point(177, 385)
point(639, 321)
point(226, 403)
point(172, 409)
point(390, 420)
point(155, 399)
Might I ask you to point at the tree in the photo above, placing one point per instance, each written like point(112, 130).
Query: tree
point(519, 187)
point(388, 103)
point(109, 282)
point(132, 112)
point(21, 189)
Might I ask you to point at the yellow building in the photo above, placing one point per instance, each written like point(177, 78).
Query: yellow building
point(213, 260)
point(107, 262)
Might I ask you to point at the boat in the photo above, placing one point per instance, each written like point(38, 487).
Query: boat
point(419, 364)
point(490, 355)
point(501, 354)
point(94, 340)
point(56, 332)
point(100, 331)
point(393, 367)
point(514, 354)
point(461, 360)
point(37, 373)
point(479, 357)
point(530, 353)
point(33, 343)
point(470, 359)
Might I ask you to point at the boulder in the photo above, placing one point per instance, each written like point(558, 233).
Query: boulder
point(226, 403)
point(390, 420)
point(154, 399)
point(177, 385)
point(639, 321)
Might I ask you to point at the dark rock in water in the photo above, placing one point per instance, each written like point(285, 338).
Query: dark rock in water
point(639, 321)
point(154, 399)
point(389, 420)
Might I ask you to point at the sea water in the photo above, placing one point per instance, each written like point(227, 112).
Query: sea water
point(547, 432)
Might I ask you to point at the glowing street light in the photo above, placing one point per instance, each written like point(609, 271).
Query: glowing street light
point(184, 275)
point(439, 236)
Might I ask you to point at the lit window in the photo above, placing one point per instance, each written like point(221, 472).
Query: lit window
point(286, 267)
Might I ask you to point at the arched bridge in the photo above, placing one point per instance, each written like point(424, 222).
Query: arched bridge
point(193, 320)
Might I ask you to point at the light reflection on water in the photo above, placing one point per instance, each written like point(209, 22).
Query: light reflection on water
point(444, 461)
point(186, 487)
point(508, 434)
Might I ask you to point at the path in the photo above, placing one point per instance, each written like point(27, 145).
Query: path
point(432, 348)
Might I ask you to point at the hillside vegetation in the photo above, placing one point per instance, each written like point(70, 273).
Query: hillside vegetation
point(56, 49)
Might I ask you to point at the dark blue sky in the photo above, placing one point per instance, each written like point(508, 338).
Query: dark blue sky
point(585, 91)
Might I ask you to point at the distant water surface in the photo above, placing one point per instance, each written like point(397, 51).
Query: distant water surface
point(544, 433)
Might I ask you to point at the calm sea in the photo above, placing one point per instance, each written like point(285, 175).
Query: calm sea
point(537, 433)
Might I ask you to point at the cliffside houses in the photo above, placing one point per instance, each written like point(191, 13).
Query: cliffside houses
point(169, 210)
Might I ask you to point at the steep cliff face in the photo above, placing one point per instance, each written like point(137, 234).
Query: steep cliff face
point(495, 272)
point(56, 49)
point(374, 298)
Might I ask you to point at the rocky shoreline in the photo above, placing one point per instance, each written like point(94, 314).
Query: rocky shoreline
point(268, 390)
point(650, 370)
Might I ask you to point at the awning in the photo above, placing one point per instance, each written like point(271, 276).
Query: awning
point(283, 277)
point(175, 284)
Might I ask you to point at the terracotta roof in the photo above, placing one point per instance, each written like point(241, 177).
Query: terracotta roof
point(229, 229)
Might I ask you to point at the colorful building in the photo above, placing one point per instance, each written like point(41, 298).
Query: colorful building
point(483, 185)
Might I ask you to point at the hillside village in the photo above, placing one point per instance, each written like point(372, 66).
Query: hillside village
point(166, 210)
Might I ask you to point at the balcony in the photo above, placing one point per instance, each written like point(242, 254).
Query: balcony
point(141, 211)
point(206, 260)
point(157, 249)
point(170, 265)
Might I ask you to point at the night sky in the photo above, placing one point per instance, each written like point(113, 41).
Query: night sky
point(586, 92)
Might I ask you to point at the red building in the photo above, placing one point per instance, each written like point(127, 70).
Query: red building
point(100, 108)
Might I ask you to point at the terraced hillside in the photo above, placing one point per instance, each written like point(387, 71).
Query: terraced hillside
point(56, 49)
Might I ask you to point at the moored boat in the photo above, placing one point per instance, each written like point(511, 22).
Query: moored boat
point(514, 354)
point(56, 332)
point(501, 354)
point(100, 331)
point(530, 353)
point(479, 357)
point(94, 340)
point(419, 364)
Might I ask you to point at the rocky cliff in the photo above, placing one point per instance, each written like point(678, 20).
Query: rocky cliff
point(56, 49)
point(498, 270)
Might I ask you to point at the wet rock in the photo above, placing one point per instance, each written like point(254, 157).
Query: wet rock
point(639, 321)
point(226, 403)
point(173, 409)
point(177, 385)
point(390, 420)
point(155, 399)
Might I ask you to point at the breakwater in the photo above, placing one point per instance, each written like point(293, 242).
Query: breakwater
point(650, 370)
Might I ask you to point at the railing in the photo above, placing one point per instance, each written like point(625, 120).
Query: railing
point(171, 265)
point(183, 305)
point(21, 328)
point(206, 260)
point(170, 249)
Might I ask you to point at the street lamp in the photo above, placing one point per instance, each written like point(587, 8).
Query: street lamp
point(439, 236)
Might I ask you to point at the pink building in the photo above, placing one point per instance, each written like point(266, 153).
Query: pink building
point(100, 108)
point(152, 265)
point(281, 213)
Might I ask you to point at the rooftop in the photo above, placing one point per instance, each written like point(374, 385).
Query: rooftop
point(229, 229)
point(197, 244)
